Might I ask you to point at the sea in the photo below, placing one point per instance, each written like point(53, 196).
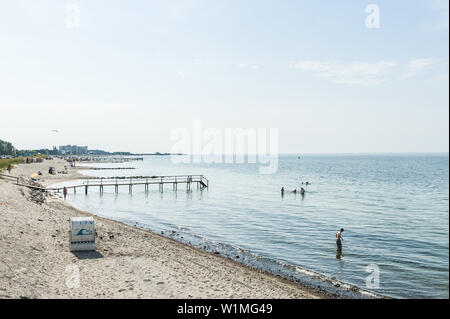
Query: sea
point(394, 209)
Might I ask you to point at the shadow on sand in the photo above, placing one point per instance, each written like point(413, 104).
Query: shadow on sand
point(92, 254)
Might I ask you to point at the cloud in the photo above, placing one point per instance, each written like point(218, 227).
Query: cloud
point(355, 72)
point(372, 73)
point(243, 65)
point(420, 64)
point(417, 66)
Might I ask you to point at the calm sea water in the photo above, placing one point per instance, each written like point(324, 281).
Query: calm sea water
point(394, 208)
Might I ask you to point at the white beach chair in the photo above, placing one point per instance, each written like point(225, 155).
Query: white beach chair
point(82, 233)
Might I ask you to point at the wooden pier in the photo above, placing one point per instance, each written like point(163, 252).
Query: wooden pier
point(101, 182)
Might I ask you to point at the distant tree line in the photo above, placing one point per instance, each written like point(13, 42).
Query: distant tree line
point(6, 148)
point(35, 152)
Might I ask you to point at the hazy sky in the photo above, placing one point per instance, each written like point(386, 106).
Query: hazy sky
point(130, 72)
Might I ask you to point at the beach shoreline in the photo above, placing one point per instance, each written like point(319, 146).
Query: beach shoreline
point(128, 262)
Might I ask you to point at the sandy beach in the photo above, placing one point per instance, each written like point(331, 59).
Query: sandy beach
point(128, 262)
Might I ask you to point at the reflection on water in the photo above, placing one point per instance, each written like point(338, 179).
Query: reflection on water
point(339, 257)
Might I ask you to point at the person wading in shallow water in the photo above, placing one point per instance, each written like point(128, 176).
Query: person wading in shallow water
point(65, 192)
point(339, 239)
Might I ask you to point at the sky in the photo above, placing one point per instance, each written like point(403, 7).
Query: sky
point(123, 75)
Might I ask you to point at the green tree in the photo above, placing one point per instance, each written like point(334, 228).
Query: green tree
point(6, 148)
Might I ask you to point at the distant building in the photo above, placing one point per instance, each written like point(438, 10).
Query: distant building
point(65, 149)
point(81, 150)
point(73, 150)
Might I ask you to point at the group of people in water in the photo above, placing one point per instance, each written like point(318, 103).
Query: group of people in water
point(295, 191)
point(339, 238)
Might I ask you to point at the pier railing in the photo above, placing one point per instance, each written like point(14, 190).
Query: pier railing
point(130, 181)
point(15, 178)
point(149, 179)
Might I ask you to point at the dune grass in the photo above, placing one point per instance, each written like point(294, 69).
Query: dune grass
point(5, 162)
point(18, 160)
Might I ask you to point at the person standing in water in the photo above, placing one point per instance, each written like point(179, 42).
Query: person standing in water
point(339, 239)
point(65, 192)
